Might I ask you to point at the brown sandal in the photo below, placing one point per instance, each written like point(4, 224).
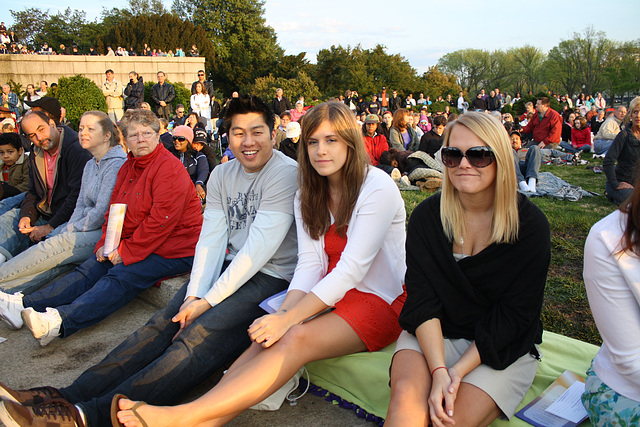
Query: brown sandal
point(115, 408)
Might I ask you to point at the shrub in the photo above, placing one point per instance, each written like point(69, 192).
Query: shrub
point(77, 95)
point(183, 95)
point(508, 108)
point(520, 108)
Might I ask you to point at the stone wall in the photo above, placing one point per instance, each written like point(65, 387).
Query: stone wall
point(25, 69)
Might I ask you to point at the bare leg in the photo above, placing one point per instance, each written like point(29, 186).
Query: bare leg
point(251, 381)
point(410, 387)
point(474, 407)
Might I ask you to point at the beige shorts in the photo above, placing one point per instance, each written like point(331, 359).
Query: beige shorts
point(506, 387)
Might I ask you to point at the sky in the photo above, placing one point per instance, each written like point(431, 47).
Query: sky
point(421, 31)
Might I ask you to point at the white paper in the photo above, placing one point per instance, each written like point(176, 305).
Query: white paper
point(273, 303)
point(2, 340)
point(114, 227)
point(537, 412)
point(569, 405)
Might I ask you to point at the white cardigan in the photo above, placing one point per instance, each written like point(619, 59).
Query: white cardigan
point(613, 288)
point(373, 260)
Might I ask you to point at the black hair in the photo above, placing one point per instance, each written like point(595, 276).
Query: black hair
point(248, 104)
point(439, 121)
point(385, 158)
point(109, 71)
point(285, 113)
point(11, 138)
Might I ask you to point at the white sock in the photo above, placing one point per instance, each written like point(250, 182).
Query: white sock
point(523, 186)
point(532, 184)
point(82, 415)
point(2, 258)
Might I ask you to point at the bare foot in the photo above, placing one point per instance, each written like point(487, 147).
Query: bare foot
point(156, 416)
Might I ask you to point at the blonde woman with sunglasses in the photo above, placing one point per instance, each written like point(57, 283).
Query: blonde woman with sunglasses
point(477, 260)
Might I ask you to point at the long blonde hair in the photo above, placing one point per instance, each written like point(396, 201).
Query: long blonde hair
point(505, 222)
point(314, 188)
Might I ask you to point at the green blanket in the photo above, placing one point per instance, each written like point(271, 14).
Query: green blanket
point(363, 378)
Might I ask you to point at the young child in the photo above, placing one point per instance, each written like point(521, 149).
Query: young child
point(15, 170)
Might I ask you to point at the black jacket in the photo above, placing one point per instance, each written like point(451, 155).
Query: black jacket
point(135, 94)
point(163, 92)
point(280, 106)
point(66, 186)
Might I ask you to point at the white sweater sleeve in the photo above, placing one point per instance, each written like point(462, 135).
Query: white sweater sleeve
point(612, 281)
point(267, 233)
point(210, 251)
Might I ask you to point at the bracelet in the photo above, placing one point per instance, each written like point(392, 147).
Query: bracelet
point(439, 367)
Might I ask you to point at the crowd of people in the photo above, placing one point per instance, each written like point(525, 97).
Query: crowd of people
point(304, 200)
point(11, 45)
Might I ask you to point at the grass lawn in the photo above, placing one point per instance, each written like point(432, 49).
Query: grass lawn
point(566, 309)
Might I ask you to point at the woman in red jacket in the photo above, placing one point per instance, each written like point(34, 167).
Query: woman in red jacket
point(159, 235)
point(581, 135)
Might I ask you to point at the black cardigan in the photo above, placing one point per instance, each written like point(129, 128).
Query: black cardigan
point(493, 298)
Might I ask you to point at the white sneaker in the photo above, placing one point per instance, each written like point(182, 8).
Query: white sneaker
point(45, 327)
point(405, 180)
point(396, 175)
point(10, 308)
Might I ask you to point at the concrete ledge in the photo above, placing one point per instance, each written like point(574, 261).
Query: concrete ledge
point(159, 297)
point(25, 69)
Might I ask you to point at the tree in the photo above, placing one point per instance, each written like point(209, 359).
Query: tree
point(166, 32)
point(435, 83)
point(529, 61)
point(78, 94)
point(470, 66)
point(301, 85)
point(245, 46)
point(35, 27)
point(579, 64)
point(623, 72)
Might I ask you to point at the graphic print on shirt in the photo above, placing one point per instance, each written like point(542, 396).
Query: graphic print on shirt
point(241, 208)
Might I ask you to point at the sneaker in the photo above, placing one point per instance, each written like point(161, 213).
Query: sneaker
point(29, 397)
point(45, 327)
point(10, 309)
point(405, 180)
point(55, 413)
point(396, 175)
point(575, 160)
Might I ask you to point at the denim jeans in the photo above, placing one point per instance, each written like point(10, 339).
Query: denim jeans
point(617, 196)
point(530, 167)
point(95, 289)
point(11, 202)
point(149, 366)
point(568, 147)
point(12, 241)
point(59, 253)
point(601, 146)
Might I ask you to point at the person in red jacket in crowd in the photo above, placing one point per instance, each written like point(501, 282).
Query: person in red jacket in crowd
point(374, 143)
point(580, 136)
point(546, 126)
point(160, 230)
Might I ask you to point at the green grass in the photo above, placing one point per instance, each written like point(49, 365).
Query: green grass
point(566, 309)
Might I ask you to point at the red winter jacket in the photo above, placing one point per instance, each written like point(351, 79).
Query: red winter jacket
point(580, 137)
point(549, 130)
point(375, 147)
point(163, 210)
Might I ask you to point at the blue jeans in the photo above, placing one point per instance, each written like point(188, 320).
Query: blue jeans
point(11, 203)
point(568, 147)
point(601, 146)
point(95, 289)
point(149, 366)
point(617, 196)
point(530, 167)
point(59, 253)
point(12, 241)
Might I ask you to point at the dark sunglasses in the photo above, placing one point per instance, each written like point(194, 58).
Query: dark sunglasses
point(179, 138)
point(478, 157)
point(200, 74)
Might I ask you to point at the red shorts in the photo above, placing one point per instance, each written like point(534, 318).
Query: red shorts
point(373, 320)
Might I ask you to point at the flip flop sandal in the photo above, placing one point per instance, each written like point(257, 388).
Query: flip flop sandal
point(115, 408)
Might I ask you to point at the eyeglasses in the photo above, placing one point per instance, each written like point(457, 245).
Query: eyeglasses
point(145, 135)
point(478, 157)
point(200, 75)
point(179, 138)
point(179, 111)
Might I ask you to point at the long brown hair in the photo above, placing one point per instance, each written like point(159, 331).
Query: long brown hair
point(314, 188)
point(631, 237)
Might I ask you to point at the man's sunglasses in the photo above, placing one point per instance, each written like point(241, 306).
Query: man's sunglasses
point(179, 138)
point(478, 157)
